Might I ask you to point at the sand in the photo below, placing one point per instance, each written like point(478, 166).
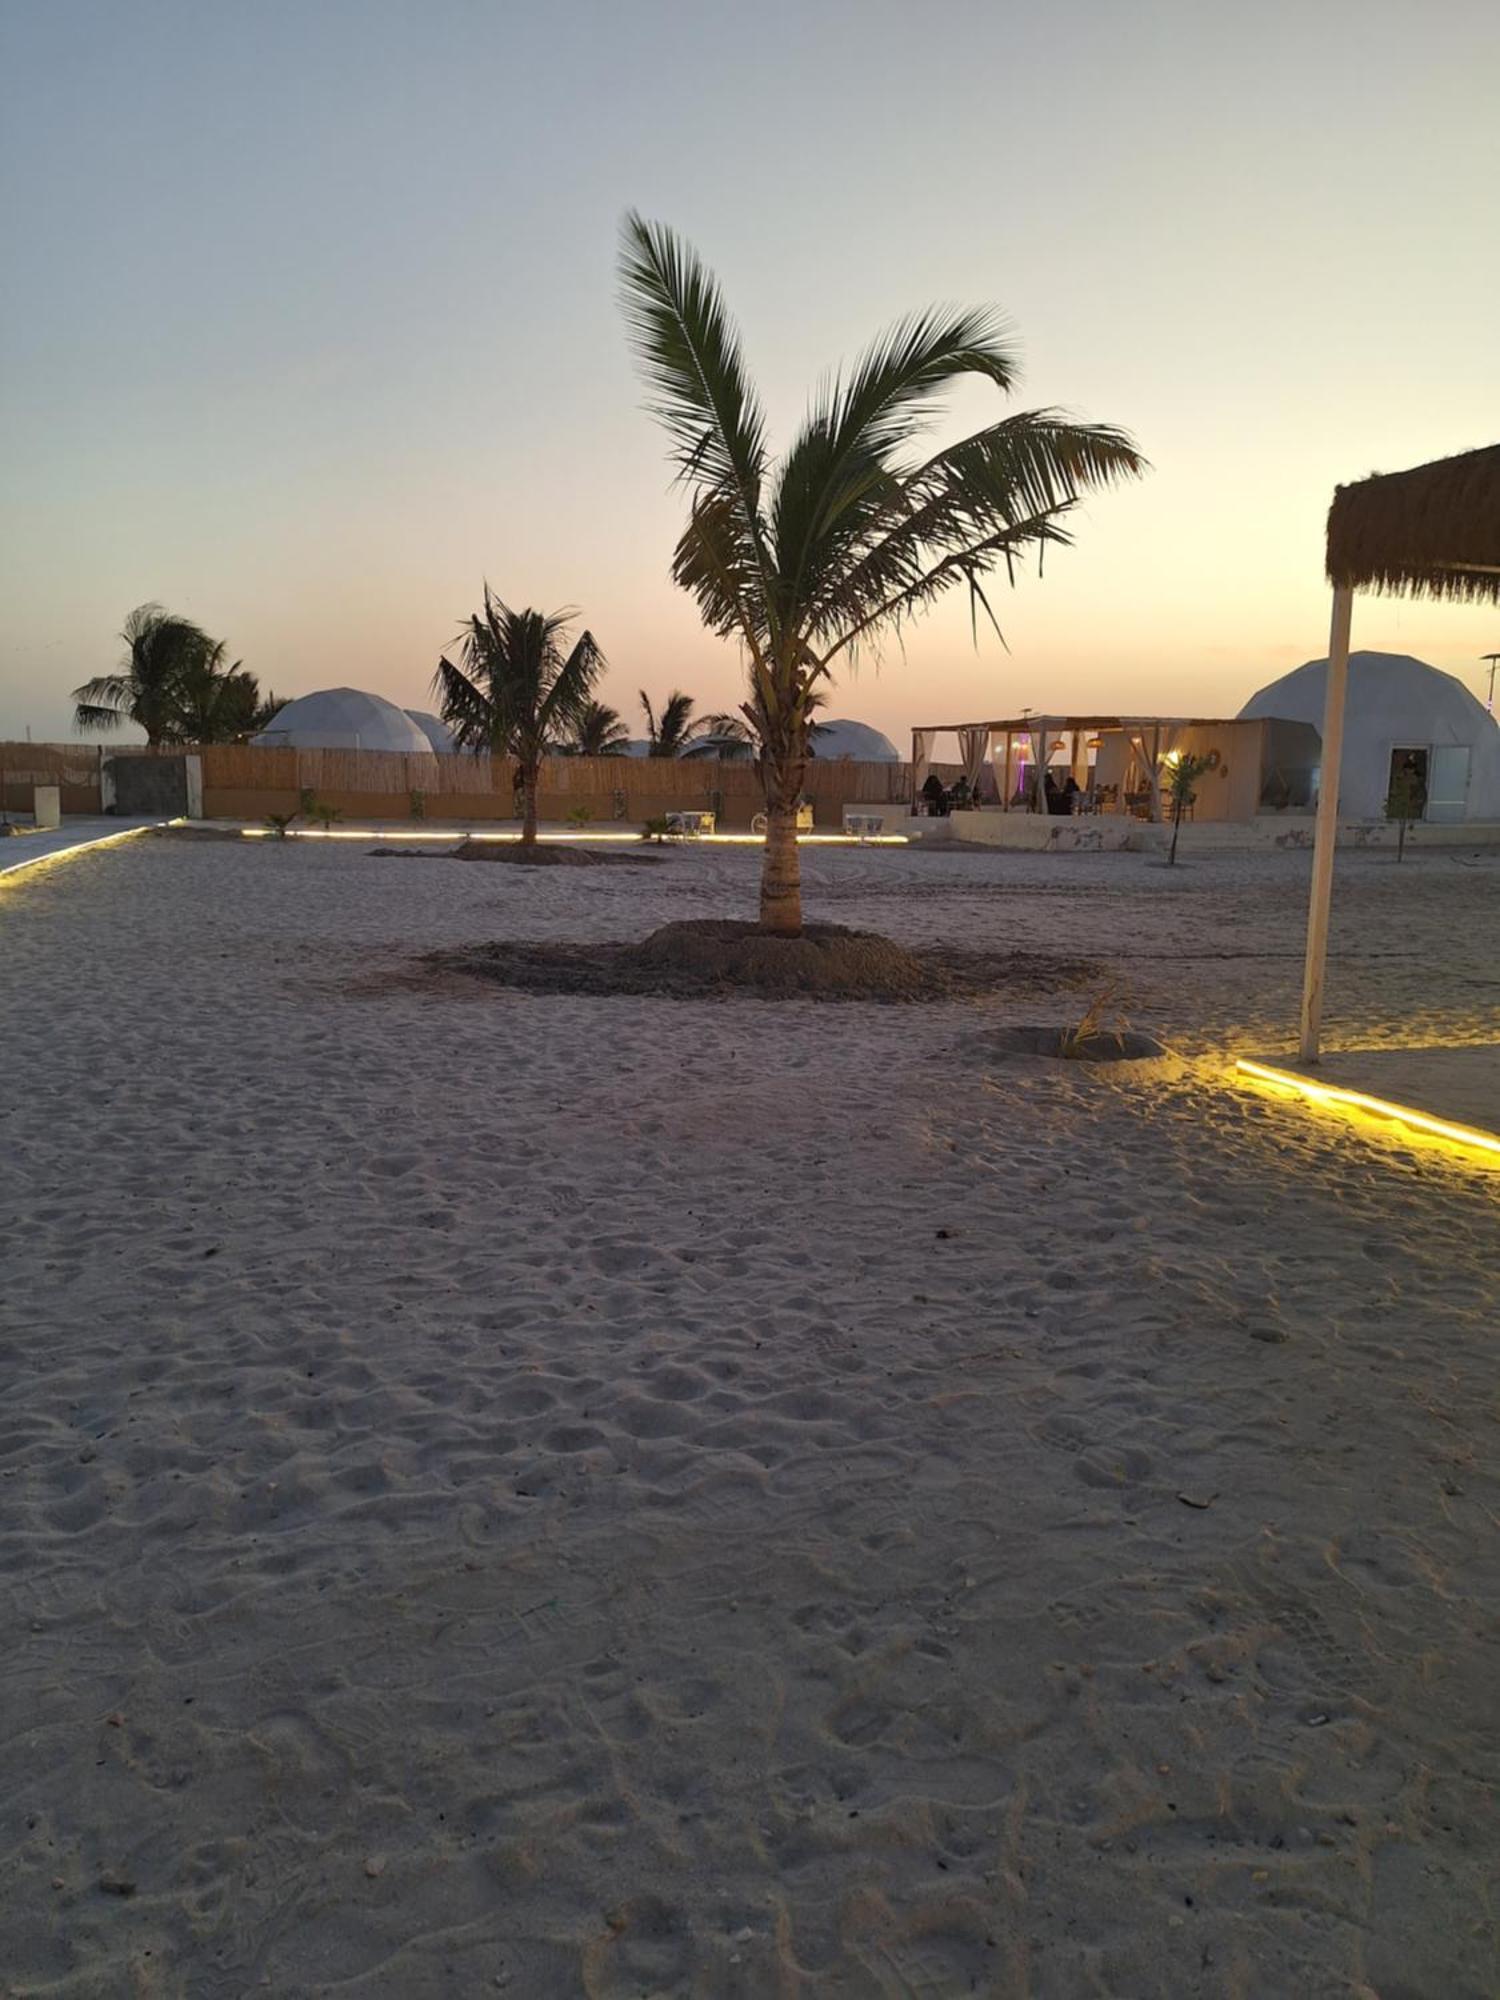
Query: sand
point(622, 1497)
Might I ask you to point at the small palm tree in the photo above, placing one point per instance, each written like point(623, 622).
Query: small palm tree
point(668, 734)
point(1405, 801)
point(162, 653)
point(598, 732)
point(856, 531)
point(1182, 790)
point(517, 691)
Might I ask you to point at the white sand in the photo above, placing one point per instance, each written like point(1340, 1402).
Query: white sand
point(634, 1498)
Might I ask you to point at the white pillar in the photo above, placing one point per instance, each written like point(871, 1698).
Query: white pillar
point(1328, 824)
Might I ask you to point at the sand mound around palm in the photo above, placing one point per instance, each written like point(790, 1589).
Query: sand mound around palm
point(714, 958)
point(547, 855)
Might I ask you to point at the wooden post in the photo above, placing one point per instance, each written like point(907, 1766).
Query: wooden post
point(1326, 836)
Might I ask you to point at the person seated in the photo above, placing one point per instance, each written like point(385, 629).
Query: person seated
point(936, 797)
point(1072, 792)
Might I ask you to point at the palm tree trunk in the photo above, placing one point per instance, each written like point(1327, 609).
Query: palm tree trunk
point(528, 806)
point(781, 871)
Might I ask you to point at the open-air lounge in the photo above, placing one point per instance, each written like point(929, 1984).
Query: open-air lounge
point(1118, 765)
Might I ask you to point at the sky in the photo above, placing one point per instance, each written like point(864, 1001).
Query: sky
point(310, 322)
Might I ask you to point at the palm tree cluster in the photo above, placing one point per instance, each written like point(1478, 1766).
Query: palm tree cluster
point(176, 684)
point(807, 562)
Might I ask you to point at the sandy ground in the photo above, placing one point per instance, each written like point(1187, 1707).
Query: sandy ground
point(625, 1497)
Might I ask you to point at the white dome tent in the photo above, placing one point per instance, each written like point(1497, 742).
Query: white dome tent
point(343, 718)
point(839, 737)
point(439, 735)
point(1398, 707)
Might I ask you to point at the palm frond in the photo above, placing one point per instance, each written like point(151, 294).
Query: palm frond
point(464, 707)
point(978, 503)
point(598, 731)
point(688, 349)
point(572, 683)
point(709, 564)
point(846, 448)
point(97, 715)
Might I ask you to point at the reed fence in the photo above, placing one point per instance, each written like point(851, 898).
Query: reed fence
point(244, 781)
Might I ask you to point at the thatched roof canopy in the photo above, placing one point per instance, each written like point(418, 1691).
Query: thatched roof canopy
point(1430, 532)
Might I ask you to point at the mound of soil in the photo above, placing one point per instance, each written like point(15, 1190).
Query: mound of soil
point(1107, 1045)
point(552, 855)
point(715, 959)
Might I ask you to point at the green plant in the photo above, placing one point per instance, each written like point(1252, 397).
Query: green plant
point(1182, 780)
point(658, 829)
point(579, 817)
point(1404, 803)
point(517, 691)
point(314, 808)
point(858, 529)
point(416, 800)
point(280, 823)
point(1101, 1017)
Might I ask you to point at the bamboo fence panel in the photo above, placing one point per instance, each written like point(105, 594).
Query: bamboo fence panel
point(249, 781)
point(72, 766)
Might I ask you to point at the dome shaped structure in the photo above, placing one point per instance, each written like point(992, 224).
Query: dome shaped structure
point(1398, 710)
point(439, 735)
point(343, 719)
point(840, 738)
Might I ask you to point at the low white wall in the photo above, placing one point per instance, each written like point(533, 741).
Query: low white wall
point(1095, 833)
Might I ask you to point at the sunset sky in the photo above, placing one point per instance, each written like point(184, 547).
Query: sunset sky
point(309, 317)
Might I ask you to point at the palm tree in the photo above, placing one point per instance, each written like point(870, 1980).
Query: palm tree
point(675, 728)
point(162, 651)
point(517, 690)
point(1182, 789)
point(598, 732)
point(265, 713)
point(213, 703)
point(855, 532)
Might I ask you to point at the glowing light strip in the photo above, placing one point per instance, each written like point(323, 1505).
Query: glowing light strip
point(79, 847)
point(572, 839)
point(1360, 1100)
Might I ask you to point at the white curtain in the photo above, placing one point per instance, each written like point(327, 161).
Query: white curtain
point(972, 744)
point(922, 741)
point(1039, 737)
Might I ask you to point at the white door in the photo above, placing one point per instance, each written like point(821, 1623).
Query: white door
point(1448, 782)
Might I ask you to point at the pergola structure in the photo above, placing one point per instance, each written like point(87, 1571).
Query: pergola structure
point(1031, 742)
point(1431, 532)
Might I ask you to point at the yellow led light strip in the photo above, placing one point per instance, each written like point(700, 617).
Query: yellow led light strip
point(1359, 1100)
point(57, 854)
point(574, 839)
